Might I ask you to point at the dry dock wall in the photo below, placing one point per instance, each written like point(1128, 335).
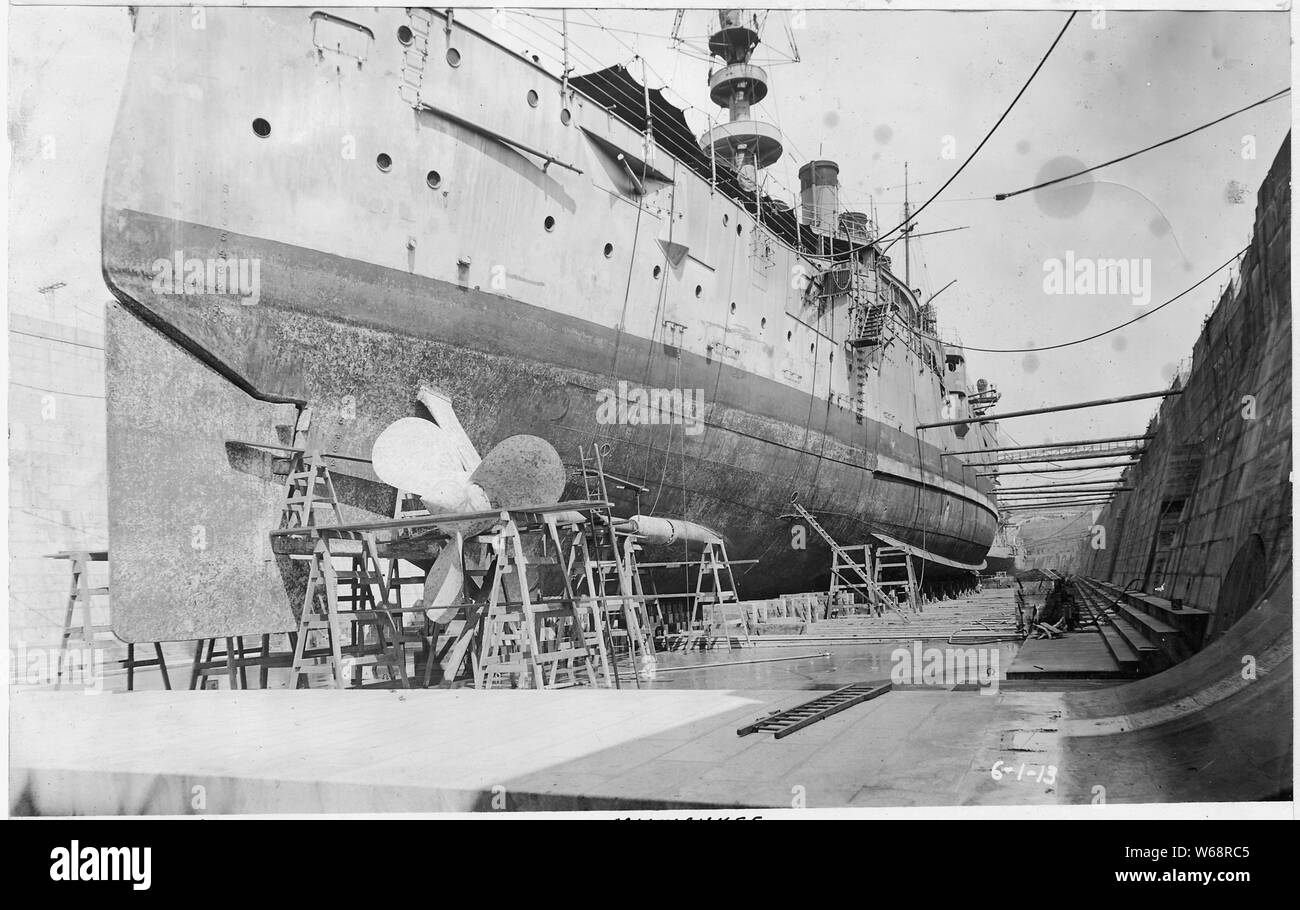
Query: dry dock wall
point(57, 456)
point(1209, 518)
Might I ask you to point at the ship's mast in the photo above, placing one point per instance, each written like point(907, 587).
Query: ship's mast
point(907, 234)
point(749, 145)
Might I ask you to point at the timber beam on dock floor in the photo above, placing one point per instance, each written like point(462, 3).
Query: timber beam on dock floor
point(987, 616)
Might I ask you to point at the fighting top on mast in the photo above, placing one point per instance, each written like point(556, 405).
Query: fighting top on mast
point(746, 143)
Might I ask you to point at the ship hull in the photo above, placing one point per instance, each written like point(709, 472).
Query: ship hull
point(370, 281)
point(509, 369)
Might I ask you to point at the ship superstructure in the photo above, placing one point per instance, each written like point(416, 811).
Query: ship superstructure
point(418, 204)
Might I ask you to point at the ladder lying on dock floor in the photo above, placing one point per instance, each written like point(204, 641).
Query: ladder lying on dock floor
point(783, 723)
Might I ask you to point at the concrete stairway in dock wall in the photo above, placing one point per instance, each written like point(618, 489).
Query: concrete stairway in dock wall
point(1143, 632)
point(1216, 726)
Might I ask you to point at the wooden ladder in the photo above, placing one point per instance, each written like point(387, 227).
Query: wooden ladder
point(512, 649)
point(709, 617)
point(852, 570)
point(606, 565)
point(846, 571)
point(309, 486)
point(81, 596)
point(84, 631)
point(323, 614)
point(895, 558)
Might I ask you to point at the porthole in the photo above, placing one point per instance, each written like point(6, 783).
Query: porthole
point(609, 250)
point(658, 271)
point(453, 56)
point(698, 290)
point(549, 223)
point(726, 219)
point(261, 128)
point(434, 179)
point(533, 98)
point(762, 323)
point(405, 36)
point(733, 306)
point(739, 228)
point(812, 347)
point(565, 116)
point(789, 336)
point(383, 162)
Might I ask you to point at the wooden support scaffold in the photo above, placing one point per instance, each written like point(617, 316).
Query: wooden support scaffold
point(715, 589)
point(87, 634)
point(361, 582)
point(856, 570)
point(604, 563)
point(506, 635)
point(891, 557)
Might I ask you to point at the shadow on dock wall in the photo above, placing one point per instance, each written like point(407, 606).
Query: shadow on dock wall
point(1215, 728)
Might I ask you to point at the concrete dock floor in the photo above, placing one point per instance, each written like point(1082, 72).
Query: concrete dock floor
point(1204, 730)
point(457, 750)
point(1076, 655)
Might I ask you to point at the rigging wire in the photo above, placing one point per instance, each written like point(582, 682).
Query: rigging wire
point(617, 90)
point(969, 159)
point(989, 134)
point(635, 102)
point(1144, 315)
point(1097, 167)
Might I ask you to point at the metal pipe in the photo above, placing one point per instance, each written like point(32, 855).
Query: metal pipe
point(1045, 492)
point(1059, 497)
point(1056, 445)
point(985, 464)
point(1164, 393)
point(946, 286)
point(295, 450)
point(1053, 502)
point(1063, 494)
point(1060, 505)
point(1097, 467)
point(640, 187)
point(1102, 504)
point(564, 37)
point(1073, 487)
point(1047, 500)
point(1035, 504)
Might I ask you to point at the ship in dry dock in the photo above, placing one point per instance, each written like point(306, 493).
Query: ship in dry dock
point(523, 240)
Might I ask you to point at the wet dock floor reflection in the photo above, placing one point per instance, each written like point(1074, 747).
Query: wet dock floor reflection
point(798, 668)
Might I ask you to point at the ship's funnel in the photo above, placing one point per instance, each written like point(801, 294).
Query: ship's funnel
point(819, 191)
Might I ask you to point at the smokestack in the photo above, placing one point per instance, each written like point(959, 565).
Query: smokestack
point(819, 191)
